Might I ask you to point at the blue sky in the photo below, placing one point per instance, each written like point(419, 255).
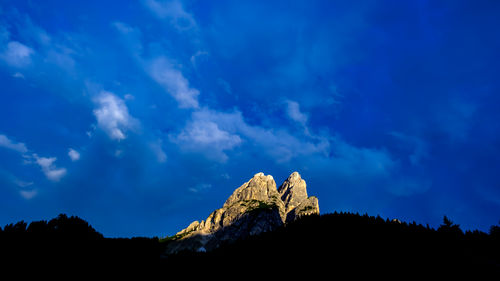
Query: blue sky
point(141, 116)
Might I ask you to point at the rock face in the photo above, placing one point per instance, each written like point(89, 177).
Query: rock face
point(256, 206)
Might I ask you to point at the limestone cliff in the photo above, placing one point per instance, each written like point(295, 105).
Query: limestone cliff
point(256, 206)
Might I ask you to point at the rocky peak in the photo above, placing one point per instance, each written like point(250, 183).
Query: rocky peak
point(293, 191)
point(254, 207)
point(259, 187)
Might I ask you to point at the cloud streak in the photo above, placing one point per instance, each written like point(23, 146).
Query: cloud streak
point(294, 113)
point(173, 11)
point(171, 79)
point(10, 144)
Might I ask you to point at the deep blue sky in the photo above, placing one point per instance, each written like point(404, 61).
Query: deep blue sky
point(141, 116)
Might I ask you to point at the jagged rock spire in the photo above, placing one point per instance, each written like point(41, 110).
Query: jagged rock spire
point(259, 187)
point(293, 191)
point(254, 207)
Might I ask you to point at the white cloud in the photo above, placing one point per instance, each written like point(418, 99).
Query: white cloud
point(112, 115)
point(294, 113)
point(73, 154)
point(173, 11)
point(16, 146)
point(222, 132)
point(206, 137)
point(161, 69)
point(17, 54)
point(172, 80)
point(48, 168)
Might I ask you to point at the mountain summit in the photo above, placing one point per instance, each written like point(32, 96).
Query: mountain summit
point(256, 206)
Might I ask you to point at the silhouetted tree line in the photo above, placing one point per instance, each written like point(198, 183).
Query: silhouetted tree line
point(71, 240)
point(359, 245)
point(339, 242)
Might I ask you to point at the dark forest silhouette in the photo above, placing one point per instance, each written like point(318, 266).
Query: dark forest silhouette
point(344, 242)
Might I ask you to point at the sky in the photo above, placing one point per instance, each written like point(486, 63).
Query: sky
point(142, 116)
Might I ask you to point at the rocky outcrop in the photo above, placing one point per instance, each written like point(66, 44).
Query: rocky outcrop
point(256, 206)
point(293, 193)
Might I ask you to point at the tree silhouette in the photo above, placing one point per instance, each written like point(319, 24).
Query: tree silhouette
point(449, 228)
point(341, 241)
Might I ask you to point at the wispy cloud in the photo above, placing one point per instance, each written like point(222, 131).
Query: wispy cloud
point(17, 54)
point(223, 131)
point(174, 83)
point(173, 11)
point(10, 144)
point(112, 115)
point(51, 171)
point(47, 165)
point(205, 136)
point(294, 113)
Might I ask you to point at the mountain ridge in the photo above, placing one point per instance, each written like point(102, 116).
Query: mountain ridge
point(255, 207)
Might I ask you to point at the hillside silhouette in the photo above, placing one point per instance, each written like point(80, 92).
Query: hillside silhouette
point(338, 242)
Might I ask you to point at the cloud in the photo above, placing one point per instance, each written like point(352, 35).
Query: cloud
point(161, 69)
point(294, 113)
point(22, 183)
point(172, 80)
point(206, 137)
point(52, 172)
point(17, 54)
point(28, 194)
point(223, 131)
point(73, 154)
point(173, 11)
point(112, 116)
point(48, 168)
point(16, 146)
